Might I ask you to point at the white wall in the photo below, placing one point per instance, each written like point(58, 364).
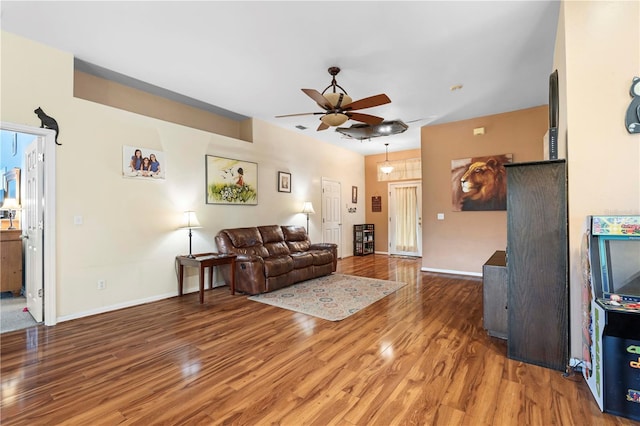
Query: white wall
point(129, 236)
point(597, 56)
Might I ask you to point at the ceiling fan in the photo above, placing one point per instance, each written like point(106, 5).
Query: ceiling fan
point(361, 131)
point(338, 106)
point(367, 131)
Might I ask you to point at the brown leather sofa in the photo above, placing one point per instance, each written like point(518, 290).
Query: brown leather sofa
point(273, 257)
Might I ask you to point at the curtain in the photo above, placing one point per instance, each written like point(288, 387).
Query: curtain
point(406, 219)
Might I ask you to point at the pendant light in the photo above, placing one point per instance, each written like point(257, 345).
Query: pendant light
point(386, 166)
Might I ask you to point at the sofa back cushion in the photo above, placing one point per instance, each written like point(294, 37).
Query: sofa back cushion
point(246, 241)
point(296, 238)
point(273, 240)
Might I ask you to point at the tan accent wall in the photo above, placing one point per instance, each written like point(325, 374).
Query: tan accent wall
point(110, 93)
point(375, 188)
point(463, 241)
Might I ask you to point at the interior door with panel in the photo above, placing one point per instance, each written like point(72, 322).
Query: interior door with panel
point(331, 220)
point(32, 215)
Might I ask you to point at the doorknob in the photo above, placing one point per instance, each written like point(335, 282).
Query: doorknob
point(24, 237)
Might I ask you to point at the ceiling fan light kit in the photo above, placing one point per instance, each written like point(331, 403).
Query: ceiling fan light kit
point(334, 98)
point(334, 120)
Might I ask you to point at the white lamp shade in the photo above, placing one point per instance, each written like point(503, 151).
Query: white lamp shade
point(334, 119)
point(10, 204)
point(189, 220)
point(308, 208)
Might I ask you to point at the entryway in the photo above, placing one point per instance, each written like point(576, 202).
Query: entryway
point(37, 215)
point(405, 218)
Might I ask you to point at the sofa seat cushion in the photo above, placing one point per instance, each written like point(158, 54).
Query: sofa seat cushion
point(301, 259)
point(321, 257)
point(277, 265)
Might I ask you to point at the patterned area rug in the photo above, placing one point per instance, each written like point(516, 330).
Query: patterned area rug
point(332, 297)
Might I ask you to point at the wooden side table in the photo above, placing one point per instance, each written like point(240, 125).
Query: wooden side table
point(203, 261)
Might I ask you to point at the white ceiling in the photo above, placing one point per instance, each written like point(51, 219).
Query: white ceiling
point(253, 58)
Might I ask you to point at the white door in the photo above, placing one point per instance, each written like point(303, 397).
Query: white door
point(405, 218)
point(331, 222)
point(32, 216)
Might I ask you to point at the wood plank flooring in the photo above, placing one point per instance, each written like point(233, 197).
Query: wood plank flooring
point(417, 357)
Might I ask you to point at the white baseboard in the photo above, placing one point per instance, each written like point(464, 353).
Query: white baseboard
point(128, 304)
point(451, 271)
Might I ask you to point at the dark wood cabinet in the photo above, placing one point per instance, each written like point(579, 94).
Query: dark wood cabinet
point(494, 295)
point(537, 264)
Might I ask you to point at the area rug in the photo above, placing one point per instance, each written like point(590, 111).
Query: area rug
point(332, 297)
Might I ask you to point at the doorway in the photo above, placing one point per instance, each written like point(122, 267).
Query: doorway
point(405, 218)
point(38, 210)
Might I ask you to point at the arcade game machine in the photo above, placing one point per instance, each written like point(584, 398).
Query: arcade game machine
point(611, 316)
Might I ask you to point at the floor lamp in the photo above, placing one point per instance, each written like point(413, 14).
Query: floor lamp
point(190, 221)
point(307, 208)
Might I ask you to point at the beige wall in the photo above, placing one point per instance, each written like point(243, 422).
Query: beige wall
point(463, 241)
point(597, 55)
point(129, 236)
point(375, 188)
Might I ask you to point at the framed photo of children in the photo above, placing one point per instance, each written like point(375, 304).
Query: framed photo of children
point(284, 182)
point(143, 163)
point(231, 181)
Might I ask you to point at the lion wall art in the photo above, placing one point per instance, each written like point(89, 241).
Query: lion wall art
point(479, 183)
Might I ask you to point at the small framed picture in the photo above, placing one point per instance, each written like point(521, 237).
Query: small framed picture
point(284, 182)
point(354, 194)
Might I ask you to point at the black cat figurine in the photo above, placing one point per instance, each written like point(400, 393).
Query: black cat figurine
point(47, 122)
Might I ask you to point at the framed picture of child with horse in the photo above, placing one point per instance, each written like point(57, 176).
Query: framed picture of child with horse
point(230, 181)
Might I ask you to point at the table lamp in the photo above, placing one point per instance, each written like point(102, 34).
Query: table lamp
point(10, 205)
point(307, 208)
point(190, 221)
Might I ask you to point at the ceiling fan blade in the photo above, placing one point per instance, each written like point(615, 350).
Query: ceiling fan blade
point(322, 126)
point(302, 113)
point(320, 100)
point(365, 118)
point(369, 102)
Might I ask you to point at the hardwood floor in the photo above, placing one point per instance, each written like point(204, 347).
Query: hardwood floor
point(419, 356)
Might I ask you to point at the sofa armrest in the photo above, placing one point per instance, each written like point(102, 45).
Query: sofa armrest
point(333, 248)
point(323, 246)
point(250, 277)
point(241, 257)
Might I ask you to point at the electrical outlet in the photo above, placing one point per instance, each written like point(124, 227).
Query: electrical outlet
point(102, 284)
